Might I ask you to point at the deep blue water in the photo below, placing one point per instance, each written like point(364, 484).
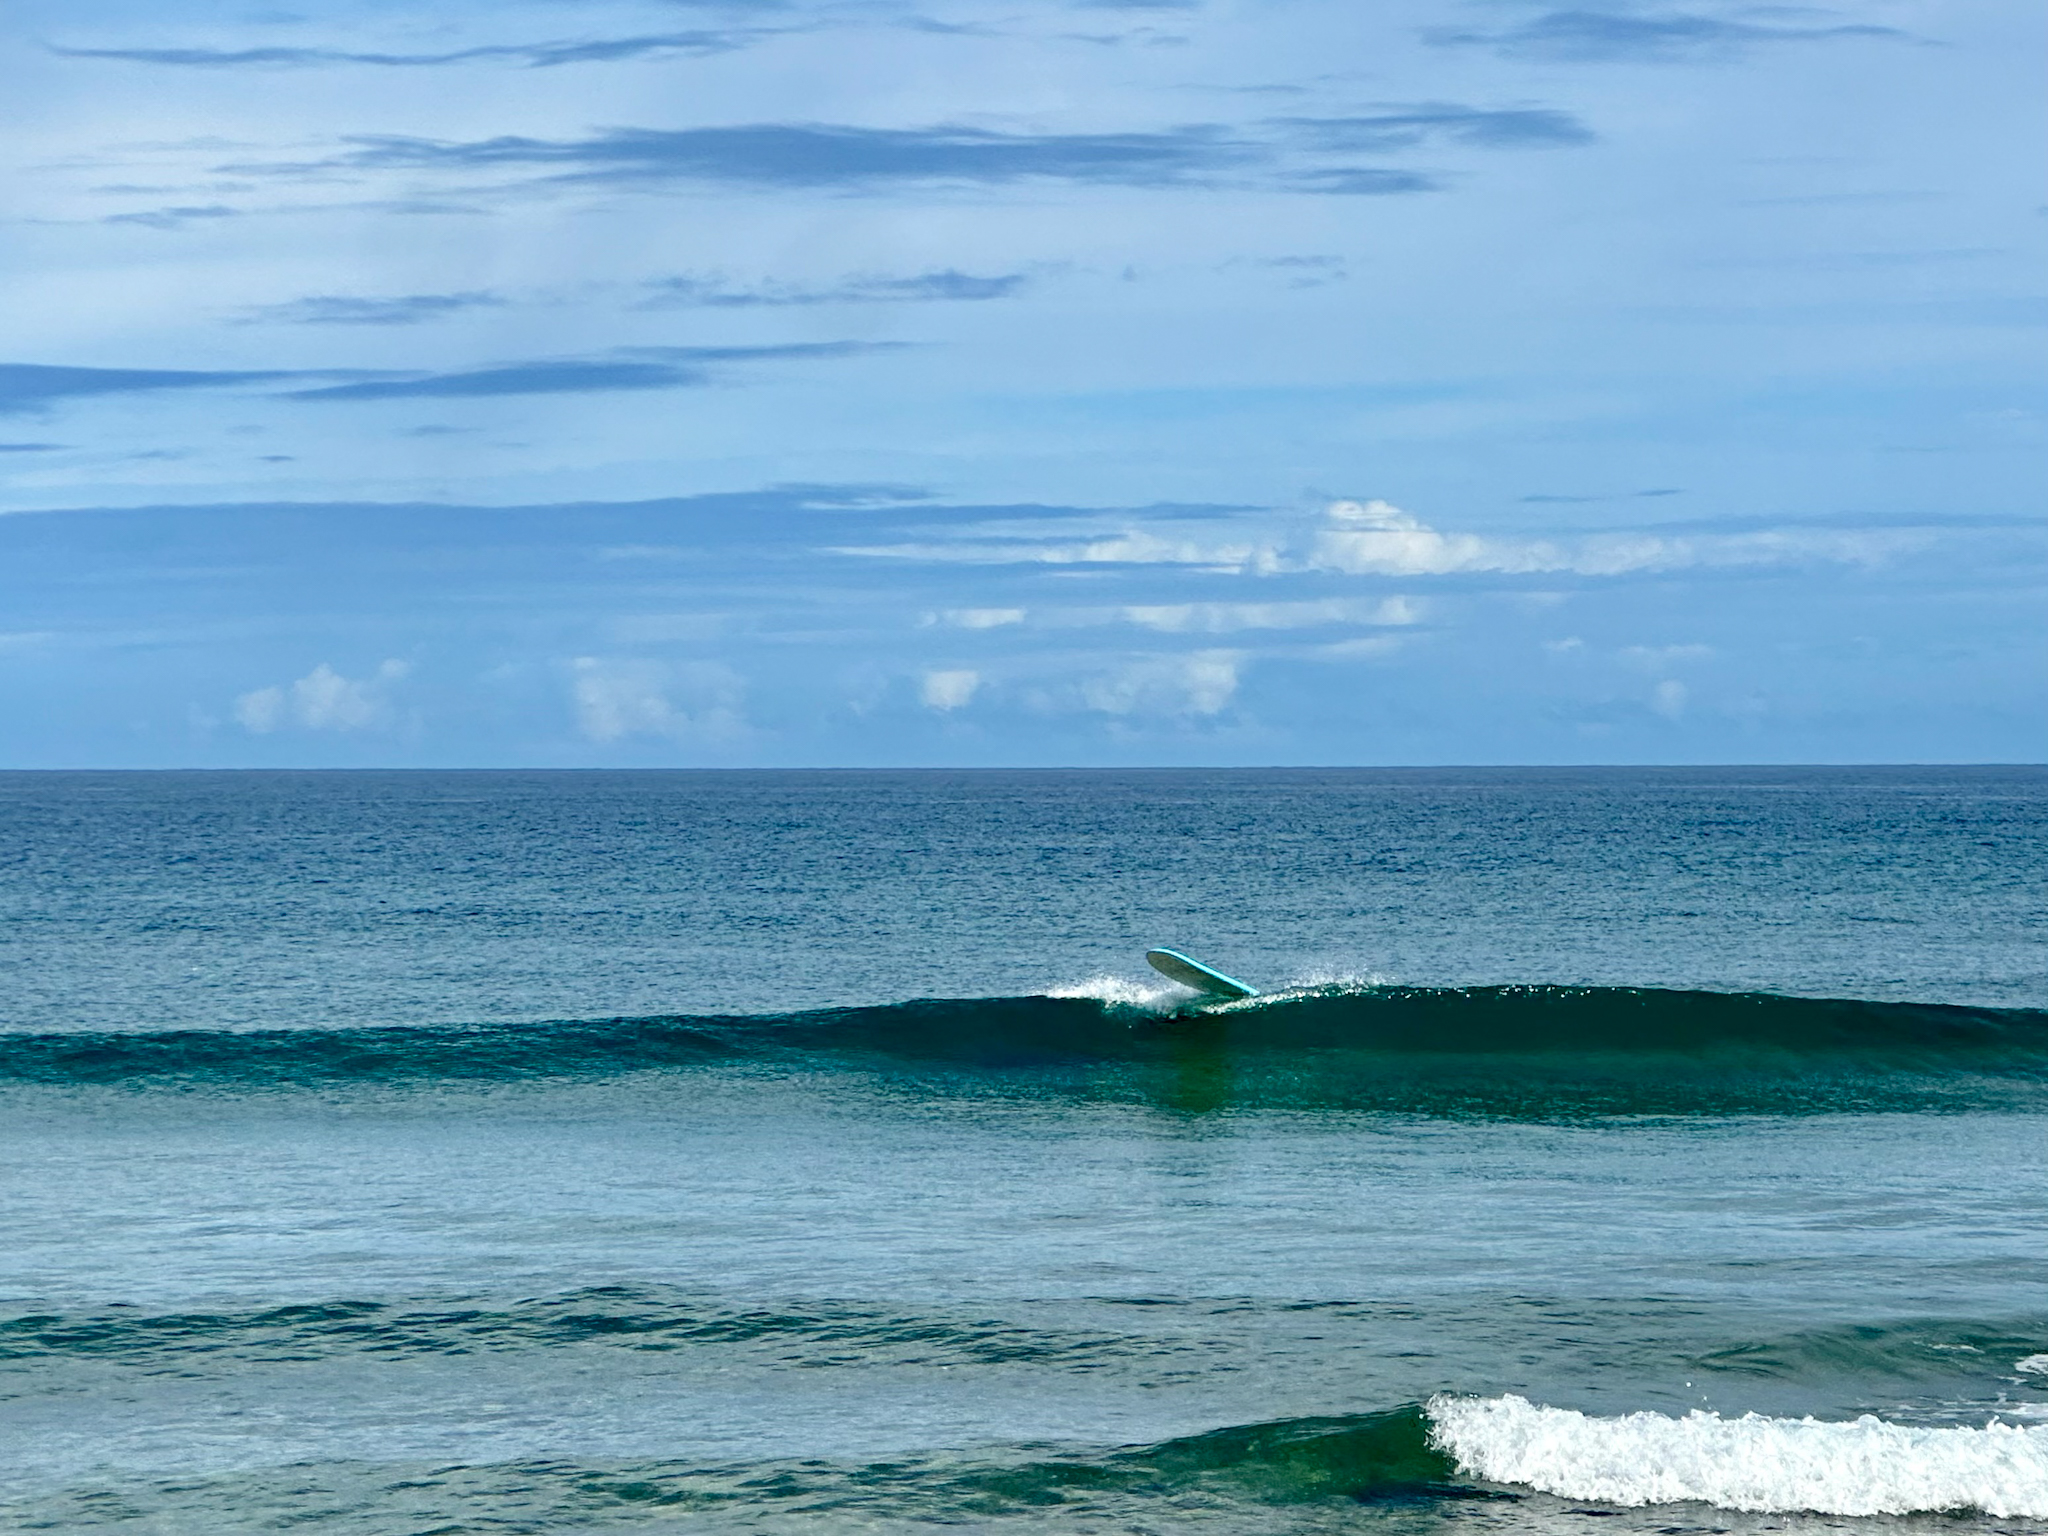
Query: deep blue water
point(1615, 1150)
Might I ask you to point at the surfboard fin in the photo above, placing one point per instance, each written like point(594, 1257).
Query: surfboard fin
point(1175, 966)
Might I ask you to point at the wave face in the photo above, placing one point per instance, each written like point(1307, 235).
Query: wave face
point(1756, 1464)
point(1506, 1050)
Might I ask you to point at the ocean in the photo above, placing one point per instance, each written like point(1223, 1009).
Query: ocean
point(1609, 1151)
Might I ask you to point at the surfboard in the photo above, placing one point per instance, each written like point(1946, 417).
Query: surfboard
point(1192, 973)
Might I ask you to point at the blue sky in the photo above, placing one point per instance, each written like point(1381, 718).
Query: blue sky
point(567, 382)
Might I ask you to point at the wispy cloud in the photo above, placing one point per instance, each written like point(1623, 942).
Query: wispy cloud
point(1375, 538)
point(402, 309)
point(1542, 499)
point(1362, 181)
point(1225, 618)
point(640, 368)
point(947, 285)
point(1196, 618)
point(826, 155)
point(529, 55)
point(33, 386)
point(1405, 128)
point(812, 156)
point(28, 387)
point(977, 618)
point(174, 218)
point(1593, 36)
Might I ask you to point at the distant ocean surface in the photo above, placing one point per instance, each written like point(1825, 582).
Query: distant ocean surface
point(1617, 1151)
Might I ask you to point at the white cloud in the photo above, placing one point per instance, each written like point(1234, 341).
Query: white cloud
point(619, 697)
point(1377, 538)
point(1668, 698)
point(1201, 683)
point(261, 710)
point(322, 700)
point(1222, 618)
point(1135, 546)
point(1365, 645)
point(948, 690)
point(976, 618)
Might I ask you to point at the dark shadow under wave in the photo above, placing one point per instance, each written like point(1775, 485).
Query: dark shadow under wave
point(1512, 1051)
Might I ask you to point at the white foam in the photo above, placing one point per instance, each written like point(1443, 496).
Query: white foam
point(2033, 1365)
point(1161, 995)
point(1867, 1467)
point(1324, 979)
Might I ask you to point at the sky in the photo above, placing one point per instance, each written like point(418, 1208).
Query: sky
point(963, 382)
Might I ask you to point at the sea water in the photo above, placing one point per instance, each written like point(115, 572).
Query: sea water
point(1618, 1150)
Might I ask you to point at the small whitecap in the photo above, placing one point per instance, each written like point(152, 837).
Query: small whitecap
point(2033, 1365)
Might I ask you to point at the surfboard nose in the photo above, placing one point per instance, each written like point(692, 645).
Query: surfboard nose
point(1175, 966)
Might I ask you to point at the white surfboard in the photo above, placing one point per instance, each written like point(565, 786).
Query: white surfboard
point(1192, 973)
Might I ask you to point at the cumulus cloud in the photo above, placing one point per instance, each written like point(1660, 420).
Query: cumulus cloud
point(1200, 683)
point(616, 698)
point(948, 690)
point(322, 700)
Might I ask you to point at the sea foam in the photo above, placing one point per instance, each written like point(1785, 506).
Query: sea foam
point(1864, 1467)
point(1158, 994)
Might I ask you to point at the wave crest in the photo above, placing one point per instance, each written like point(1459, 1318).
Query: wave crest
point(1507, 1051)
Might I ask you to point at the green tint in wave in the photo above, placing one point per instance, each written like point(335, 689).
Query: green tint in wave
point(1510, 1051)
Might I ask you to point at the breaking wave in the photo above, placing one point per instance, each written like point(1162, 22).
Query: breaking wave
point(1504, 1050)
point(1444, 1453)
point(1863, 1467)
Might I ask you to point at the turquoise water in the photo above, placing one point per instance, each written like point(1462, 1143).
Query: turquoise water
point(1623, 1150)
